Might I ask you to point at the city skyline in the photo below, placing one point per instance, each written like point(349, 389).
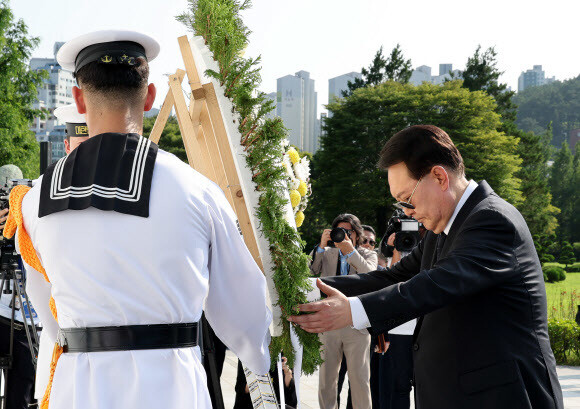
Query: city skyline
point(325, 49)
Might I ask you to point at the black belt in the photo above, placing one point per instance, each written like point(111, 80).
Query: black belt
point(131, 337)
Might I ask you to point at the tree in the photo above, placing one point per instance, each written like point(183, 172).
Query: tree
point(18, 91)
point(347, 177)
point(567, 254)
point(481, 74)
point(393, 68)
point(561, 184)
point(170, 139)
point(557, 103)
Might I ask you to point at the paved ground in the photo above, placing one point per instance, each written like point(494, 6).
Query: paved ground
point(569, 379)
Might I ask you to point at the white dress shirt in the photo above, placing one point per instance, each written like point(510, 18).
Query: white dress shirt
point(360, 320)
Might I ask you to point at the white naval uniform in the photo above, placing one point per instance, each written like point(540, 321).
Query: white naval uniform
point(112, 269)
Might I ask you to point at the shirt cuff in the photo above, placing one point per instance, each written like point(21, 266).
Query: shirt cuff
point(360, 320)
point(350, 254)
point(319, 250)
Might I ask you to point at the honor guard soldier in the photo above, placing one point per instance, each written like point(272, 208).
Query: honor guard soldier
point(76, 128)
point(150, 243)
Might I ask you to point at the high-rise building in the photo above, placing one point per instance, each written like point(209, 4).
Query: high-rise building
point(297, 106)
point(423, 74)
point(420, 75)
point(338, 84)
point(54, 92)
point(533, 78)
point(445, 69)
point(272, 96)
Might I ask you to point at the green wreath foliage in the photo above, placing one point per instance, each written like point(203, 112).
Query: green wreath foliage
point(220, 24)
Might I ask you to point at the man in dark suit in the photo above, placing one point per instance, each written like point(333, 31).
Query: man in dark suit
point(475, 282)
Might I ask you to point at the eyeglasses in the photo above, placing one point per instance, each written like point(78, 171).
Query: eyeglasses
point(407, 204)
point(371, 242)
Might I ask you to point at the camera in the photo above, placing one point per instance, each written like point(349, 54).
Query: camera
point(7, 187)
point(407, 233)
point(337, 235)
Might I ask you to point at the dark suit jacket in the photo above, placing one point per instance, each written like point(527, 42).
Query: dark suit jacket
point(483, 339)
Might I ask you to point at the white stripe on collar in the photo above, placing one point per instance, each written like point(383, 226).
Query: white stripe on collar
point(468, 191)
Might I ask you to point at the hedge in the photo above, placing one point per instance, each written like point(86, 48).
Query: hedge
point(565, 339)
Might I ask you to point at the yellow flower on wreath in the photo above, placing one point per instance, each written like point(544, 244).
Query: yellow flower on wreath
point(293, 155)
point(303, 188)
point(299, 218)
point(295, 198)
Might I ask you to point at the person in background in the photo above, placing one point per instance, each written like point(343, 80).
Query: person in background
point(369, 237)
point(341, 259)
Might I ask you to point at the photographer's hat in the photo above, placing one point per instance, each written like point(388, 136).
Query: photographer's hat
point(76, 124)
point(107, 47)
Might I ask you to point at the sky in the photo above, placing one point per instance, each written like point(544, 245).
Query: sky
point(332, 37)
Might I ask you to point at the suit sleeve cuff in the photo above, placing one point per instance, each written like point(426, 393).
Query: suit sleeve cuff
point(360, 320)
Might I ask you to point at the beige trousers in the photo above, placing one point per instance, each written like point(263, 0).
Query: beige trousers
point(356, 348)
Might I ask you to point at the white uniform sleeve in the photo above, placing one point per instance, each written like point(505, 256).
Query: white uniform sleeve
point(39, 292)
point(236, 305)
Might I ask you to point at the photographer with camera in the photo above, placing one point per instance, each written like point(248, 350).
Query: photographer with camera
point(17, 362)
point(339, 253)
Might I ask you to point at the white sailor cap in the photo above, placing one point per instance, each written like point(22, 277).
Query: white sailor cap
point(76, 124)
point(107, 47)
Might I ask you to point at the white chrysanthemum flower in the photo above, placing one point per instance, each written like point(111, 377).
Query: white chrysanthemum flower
point(294, 183)
point(288, 166)
point(306, 167)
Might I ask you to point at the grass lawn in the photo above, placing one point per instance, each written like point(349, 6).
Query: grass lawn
point(564, 297)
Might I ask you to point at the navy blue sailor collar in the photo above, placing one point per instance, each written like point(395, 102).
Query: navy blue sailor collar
point(110, 171)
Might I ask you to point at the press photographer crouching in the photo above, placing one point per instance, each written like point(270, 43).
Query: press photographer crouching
point(340, 253)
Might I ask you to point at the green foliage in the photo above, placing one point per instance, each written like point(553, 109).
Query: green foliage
point(573, 268)
point(345, 172)
point(481, 74)
point(553, 274)
point(18, 85)
point(220, 24)
point(576, 247)
point(564, 339)
point(393, 68)
point(170, 140)
point(567, 254)
point(537, 207)
point(557, 103)
point(564, 183)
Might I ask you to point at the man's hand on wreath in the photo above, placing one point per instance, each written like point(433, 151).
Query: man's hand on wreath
point(325, 315)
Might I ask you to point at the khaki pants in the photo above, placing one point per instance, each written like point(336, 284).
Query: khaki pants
point(356, 348)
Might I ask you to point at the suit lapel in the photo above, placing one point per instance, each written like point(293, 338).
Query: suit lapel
point(480, 193)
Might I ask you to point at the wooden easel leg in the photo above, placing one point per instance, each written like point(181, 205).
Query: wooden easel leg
point(165, 112)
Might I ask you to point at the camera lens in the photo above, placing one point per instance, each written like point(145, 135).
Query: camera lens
point(406, 241)
point(337, 234)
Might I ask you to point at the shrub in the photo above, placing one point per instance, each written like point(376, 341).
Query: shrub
point(564, 339)
point(573, 268)
point(554, 273)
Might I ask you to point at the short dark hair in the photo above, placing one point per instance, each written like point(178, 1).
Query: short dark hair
point(421, 147)
point(354, 222)
point(115, 81)
point(369, 228)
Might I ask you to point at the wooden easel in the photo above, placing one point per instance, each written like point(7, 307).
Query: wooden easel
point(205, 138)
